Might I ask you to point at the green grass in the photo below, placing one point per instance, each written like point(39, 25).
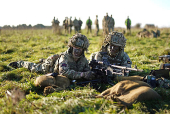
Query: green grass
point(32, 45)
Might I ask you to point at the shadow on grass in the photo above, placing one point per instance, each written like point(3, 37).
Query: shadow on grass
point(11, 76)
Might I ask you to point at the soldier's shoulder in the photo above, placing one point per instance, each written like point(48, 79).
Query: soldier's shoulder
point(125, 56)
point(84, 59)
point(64, 55)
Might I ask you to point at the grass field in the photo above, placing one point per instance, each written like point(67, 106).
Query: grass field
point(32, 45)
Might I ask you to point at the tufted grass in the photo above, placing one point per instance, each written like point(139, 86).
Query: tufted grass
point(32, 45)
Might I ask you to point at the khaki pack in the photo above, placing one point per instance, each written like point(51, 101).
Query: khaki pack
point(128, 92)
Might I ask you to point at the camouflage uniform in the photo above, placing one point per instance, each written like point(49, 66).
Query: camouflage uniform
point(162, 82)
point(121, 59)
point(47, 66)
point(146, 34)
point(65, 24)
point(66, 66)
point(55, 26)
point(111, 24)
point(70, 24)
point(105, 24)
point(97, 25)
point(76, 25)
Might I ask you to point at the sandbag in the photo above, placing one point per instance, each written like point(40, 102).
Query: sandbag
point(47, 80)
point(44, 81)
point(62, 81)
point(127, 92)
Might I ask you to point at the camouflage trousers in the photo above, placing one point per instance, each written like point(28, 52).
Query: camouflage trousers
point(46, 66)
point(162, 82)
point(111, 29)
point(97, 30)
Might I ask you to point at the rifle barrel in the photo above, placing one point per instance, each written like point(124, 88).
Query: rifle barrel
point(123, 67)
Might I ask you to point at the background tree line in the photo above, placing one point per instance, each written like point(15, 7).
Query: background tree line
point(24, 26)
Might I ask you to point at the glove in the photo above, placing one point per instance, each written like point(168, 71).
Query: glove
point(89, 75)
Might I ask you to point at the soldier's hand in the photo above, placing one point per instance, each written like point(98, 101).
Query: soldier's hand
point(89, 75)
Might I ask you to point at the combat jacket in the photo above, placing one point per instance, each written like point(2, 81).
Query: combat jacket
point(122, 59)
point(66, 66)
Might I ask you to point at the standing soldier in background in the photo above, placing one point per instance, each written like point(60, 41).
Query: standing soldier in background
point(128, 24)
point(76, 25)
point(88, 24)
point(111, 24)
point(96, 26)
point(70, 24)
point(80, 24)
point(55, 26)
point(65, 24)
point(105, 24)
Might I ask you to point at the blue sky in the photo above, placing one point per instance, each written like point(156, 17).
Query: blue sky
point(15, 12)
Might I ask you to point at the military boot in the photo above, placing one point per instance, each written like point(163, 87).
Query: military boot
point(51, 89)
point(162, 82)
point(13, 64)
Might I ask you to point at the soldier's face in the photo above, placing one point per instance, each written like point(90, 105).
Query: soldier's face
point(77, 51)
point(113, 50)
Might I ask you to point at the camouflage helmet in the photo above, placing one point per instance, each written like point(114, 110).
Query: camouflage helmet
point(115, 38)
point(79, 40)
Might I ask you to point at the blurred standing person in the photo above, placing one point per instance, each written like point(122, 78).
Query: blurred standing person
point(70, 24)
point(55, 26)
point(111, 24)
point(88, 24)
point(128, 24)
point(65, 24)
point(105, 24)
point(76, 25)
point(96, 26)
point(80, 24)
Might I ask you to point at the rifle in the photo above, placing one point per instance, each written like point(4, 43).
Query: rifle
point(104, 73)
point(113, 69)
point(164, 58)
